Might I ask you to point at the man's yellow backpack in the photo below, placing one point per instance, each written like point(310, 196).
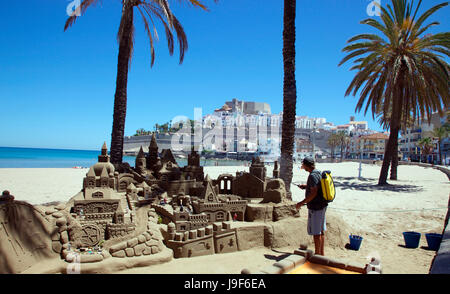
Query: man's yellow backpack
point(328, 190)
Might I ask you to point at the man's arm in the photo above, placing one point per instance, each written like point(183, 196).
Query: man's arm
point(309, 197)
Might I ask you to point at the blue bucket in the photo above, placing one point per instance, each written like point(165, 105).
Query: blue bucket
point(355, 241)
point(411, 239)
point(434, 241)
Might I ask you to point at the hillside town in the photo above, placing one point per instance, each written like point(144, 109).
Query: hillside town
point(245, 129)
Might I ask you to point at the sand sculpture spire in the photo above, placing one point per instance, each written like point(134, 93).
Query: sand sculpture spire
point(104, 157)
point(140, 153)
point(152, 156)
point(104, 149)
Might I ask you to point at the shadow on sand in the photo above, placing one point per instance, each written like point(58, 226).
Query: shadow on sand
point(371, 184)
point(426, 248)
point(277, 257)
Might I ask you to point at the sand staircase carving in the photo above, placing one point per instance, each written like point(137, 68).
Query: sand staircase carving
point(164, 211)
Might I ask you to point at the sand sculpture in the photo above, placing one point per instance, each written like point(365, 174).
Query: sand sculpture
point(26, 235)
point(156, 206)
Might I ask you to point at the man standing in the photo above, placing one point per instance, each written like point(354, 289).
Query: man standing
point(315, 203)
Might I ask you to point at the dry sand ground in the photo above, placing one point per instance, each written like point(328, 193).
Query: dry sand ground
point(417, 201)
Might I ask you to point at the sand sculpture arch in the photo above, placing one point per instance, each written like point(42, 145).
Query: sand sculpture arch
point(225, 182)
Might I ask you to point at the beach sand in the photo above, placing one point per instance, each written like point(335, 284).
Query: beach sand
point(417, 201)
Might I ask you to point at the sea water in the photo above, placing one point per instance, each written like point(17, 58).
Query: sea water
point(14, 157)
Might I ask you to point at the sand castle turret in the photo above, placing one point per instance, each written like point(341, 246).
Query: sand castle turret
point(140, 163)
point(276, 171)
point(6, 197)
point(152, 156)
point(258, 169)
point(103, 161)
point(100, 180)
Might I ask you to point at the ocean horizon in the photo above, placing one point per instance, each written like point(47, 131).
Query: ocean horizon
point(23, 157)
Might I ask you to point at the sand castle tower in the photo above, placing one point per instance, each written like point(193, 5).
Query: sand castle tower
point(193, 170)
point(194, 158)
point(100, 181)
point(101, 211)
point(152, 156)
point(6, 197)
point(140, 163)
point(258, 169)
point(276, 171)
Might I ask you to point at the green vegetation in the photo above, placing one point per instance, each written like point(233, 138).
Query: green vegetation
point(142, 132)
point(340, 139)
point(333, 142)
point(166, 128)
point(426, 147)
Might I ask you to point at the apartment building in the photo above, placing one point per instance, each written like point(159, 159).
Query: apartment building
point(422, 129)
point(370, 146)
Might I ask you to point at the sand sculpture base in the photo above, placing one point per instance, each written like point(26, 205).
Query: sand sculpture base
point(50, 250)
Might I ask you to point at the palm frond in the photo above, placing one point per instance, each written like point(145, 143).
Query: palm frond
point(79, 10)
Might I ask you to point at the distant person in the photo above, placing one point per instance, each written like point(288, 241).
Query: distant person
point(315, 203)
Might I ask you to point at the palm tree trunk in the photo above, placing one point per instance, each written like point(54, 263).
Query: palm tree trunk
point(382, 180)
point(392, 143)
point(394, 159)
point(391, 153)
point(120, 97)
point(289, 95)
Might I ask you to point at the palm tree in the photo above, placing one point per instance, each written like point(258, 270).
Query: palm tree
point(440, 133)
point(384, 121)
point(426, 147)
point(401, 68)
point(343, 139)
point(289, 95)
point(333, 142)
point(150, 10)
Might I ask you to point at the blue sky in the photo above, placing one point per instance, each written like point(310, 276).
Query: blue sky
point(57, 88)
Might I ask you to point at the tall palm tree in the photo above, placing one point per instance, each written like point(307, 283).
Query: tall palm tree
point(440, 133)
point(289, 95)
point(343, 139)
point(333, 142)
point(426, 147)
point(150, 11)
point(401, 68)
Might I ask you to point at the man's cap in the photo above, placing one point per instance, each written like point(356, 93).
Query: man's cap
point(308, 161)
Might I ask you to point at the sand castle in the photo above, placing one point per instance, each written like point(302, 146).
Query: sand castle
point(152, 208)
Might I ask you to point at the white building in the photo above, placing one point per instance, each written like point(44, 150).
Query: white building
point(422, 129)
